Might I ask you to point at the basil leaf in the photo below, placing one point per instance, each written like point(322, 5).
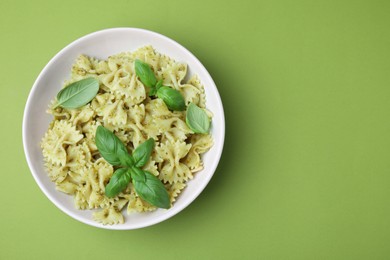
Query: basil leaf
point(172, 98)
point(159, 84)
point(145, 73)
point(118, 182)
point(126, 159)
point(110, 146)
point(197, 119)
point(142, 153)
point(78, 93)
point(153, 91)
point(153, 191)
point(137, 174)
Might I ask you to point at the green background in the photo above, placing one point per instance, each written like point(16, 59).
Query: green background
point(305, 172)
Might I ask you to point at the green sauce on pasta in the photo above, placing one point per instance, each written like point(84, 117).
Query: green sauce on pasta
point(122, 105)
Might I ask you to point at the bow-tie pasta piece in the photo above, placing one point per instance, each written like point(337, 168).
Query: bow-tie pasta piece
point(108, 216)
point(147, 54)
point(201, 143)
point(67, 187)
point(195, 82)
point(175, 189)
point(56, 138)
point(171, 169)
point(173, 74)
point(85, 66)
point(173, 129)
point(136, 115)
point(56, 172)
point(114, 113)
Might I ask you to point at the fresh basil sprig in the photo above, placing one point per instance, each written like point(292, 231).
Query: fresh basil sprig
point(171, 97)
point(197, 119)
point(78, 93)
point(146, 185)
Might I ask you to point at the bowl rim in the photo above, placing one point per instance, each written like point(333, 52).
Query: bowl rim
point(173, 211)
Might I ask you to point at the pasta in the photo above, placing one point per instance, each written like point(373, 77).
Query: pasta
point(123, 106)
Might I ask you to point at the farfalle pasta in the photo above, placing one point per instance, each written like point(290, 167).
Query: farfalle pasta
point(123, 106)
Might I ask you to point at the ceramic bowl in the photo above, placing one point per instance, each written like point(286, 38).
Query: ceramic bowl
point(102, 44)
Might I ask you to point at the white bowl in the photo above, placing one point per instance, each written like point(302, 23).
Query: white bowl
point(102, 44)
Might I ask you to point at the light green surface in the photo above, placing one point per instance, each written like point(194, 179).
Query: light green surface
point(305, 173)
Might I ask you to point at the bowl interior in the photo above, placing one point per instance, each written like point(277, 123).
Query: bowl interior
point(102, 44)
